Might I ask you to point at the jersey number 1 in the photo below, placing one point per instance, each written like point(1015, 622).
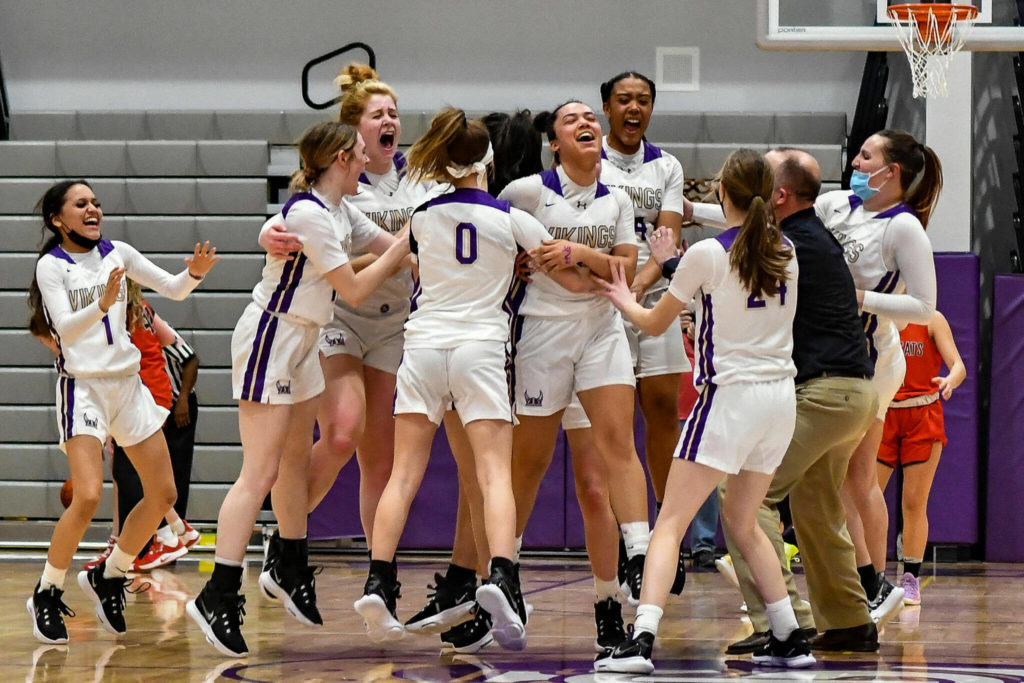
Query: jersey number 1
point(465, 243)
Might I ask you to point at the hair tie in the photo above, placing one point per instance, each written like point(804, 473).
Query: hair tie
point(477, 167)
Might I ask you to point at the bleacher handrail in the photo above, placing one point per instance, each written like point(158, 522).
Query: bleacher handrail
point(371, 59)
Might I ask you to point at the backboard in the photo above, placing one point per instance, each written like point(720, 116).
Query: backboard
point(864, 25)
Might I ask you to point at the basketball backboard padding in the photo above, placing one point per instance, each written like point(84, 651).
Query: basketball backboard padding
point(854, 25)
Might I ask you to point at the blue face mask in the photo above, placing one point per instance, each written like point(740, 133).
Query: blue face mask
point(859, 184)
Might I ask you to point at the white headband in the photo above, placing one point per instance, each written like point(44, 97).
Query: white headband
point(479, 168)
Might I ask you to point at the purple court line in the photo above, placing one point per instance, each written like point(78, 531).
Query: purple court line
point(559, 584)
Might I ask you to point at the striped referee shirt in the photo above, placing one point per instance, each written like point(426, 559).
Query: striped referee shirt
point(176, 355)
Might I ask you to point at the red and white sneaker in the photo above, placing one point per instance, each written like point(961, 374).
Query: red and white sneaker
point(157, 555)
point(101, 558)
point(190, 537)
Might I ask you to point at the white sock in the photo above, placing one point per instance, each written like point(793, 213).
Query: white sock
point(782, 618)
point(636, 536)
point(167, 536)
point(606, 589)
point(647, 619)
point(518, 547)
point(177, 526)
point(217, 559)
point(118, 563)
point(52, 577)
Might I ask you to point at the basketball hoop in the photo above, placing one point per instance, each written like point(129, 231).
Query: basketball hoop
point(931, 33)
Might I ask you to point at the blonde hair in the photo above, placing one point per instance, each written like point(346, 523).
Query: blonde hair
point(758, 255)
point(451, 139)
point(318, 147)
point(134, 304)
point(358, 83)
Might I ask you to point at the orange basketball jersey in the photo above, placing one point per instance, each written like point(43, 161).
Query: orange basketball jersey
point(923, 362)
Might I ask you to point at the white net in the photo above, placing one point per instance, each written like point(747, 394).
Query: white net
point(931, 35)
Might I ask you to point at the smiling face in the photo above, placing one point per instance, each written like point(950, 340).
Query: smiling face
point(80, 213)
point(577, 135)
point(629, 111)
point(380, 127)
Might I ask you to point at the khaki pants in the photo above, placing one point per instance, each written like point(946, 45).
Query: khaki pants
point(832, 414)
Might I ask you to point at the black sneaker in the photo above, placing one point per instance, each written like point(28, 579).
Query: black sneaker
point(501, 597)
point(887, 603)
point(704, 561)
point(792, 653)
point(608, 616)
point(469, 636)
point(379, 604)
point(448, 605)
point(634, 578)
point(632, 656)
point(752, 643)
point(220, 617)
point(623, 559)
point(680, 580)
point(271, 555)
point(296, 587)
point(48, 611)
point(107, 595)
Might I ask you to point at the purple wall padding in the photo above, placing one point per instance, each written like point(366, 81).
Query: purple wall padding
point(1004, 524)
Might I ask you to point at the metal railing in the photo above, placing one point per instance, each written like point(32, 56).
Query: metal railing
point(371, 59)
point(5, 109)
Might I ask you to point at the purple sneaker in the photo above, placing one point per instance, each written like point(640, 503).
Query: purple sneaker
point(911, 589)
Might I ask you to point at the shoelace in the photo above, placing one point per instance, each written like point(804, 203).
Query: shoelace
point(233, 608)
point(53, 600)
point(305, 587)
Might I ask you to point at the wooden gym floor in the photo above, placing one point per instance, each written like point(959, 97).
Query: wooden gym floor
point(970, 628)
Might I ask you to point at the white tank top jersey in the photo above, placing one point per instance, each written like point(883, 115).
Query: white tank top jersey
point(738, 338)
point(91, 343)
point(296, 289)
point(597, 216)
point(466, 242)
point(388, 201)
point(888, 254)
point(653, 181)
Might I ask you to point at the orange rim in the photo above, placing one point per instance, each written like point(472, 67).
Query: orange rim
point(943, 13)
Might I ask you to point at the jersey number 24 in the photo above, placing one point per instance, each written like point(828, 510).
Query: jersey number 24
point(758, 302)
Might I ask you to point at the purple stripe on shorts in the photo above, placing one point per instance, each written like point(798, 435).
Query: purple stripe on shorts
point(256, 367)
point(706, 342)
point(696, 423)
point(68, 418)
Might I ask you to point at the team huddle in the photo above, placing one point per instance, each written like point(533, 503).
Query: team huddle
point(463, 283)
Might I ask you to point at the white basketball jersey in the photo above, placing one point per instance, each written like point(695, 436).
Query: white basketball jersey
point(597, 216)
point(738, 337)
point(466, 242)
point(389, 200)
point(653, 181)
point(296, 289)
point(862, 235)
point(71, 282)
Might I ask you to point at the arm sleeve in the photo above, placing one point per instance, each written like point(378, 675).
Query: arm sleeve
point(321, 241)
point(69, 324)
point(527, 230)
point(912, 254)
point(696, 269)
point(668, 268)
point(523, 193)
point(672, 198)
point(625, 226)
point(364, 231)
point(148, 274)
point(709, 214)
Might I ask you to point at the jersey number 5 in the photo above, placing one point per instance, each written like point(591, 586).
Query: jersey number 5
point(757, 302)
point(465, 243)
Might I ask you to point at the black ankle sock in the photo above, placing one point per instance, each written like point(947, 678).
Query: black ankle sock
point(294, 550)
point(382, 568)
point(459, 575)
point(226, 579)
point(869, 580)
point(913, 568)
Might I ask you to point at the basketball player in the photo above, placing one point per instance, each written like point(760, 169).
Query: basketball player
point(744, 419)
point(455, 352)
point(574, 343)
point(915, 434)
point(277, 380)
point(77, 296)
point(880, 224)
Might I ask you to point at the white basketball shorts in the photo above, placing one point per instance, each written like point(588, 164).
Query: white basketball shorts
point(274, 359)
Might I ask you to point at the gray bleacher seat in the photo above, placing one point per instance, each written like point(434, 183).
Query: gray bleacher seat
point(231, 195)
point(231, 157)
point(20, 349)
point(20, 159)
point(212, 346)
point(112, 125)
point(44, 125)
point(93, 158)
point(160, 195)
point(41, 462)
point(181, 125)
point(161, 158)
point(19, 195)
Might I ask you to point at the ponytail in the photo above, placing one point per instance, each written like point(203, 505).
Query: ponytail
point(919, 162)
point(516, 145)
point(758, 254)
point(452, 139)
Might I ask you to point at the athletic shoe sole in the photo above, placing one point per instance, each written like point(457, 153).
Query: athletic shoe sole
point(726, 569)
point(469, 648)
point(800, 662)
point(627, 591)
point(83, 582)
point(506, 626)
point(889, 608)
point(442, 621)
point(197, 617)
point(166, 558)
point(626, 665)
point(381, 627)
point(31, 605)
point(271, 587)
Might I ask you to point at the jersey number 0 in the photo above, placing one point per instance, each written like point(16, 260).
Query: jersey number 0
point(465, 243)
